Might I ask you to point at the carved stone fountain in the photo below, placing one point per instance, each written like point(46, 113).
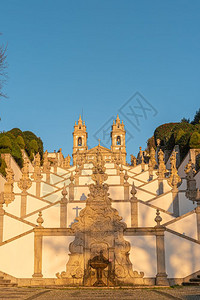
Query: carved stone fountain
point(99, 242)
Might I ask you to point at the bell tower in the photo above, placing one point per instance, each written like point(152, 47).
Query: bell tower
point(79, 139)
point(118, 146)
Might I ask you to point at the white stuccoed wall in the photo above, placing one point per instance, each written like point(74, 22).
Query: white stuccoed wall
point(18, 257)
point(55, 254)
point(182, 256)
point(13, 227)
point(147, 214)
point(164, 202)
point(143, 254)
point(186, 226)
point(124, 211)
point(185, 205)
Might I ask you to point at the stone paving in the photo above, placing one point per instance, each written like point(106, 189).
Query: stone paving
point(177, 293)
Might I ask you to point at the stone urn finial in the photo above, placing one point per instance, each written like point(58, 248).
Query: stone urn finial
point(40, 220)
point(158, 218)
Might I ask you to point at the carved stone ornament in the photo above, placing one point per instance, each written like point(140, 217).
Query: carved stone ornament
point(37, 170)
point(8, 186)
point(46, 163)
point(174, 179)
point(99, 233)
point(25, 182)
point(161, 166)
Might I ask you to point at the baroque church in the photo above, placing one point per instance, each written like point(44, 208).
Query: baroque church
point(100, 221)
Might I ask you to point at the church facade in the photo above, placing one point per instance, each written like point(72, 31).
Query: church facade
point(100, 221)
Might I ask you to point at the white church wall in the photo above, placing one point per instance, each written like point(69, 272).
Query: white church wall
point(147, 214)
point(124, 211)
point(181, 168)
point(183, 185)
point(61, 184)
point(81, 193)
point(113, 180)
point(34, 204)
point(54, 196)
point(185, 205)
point(50, 215)
point(13, 227)
point(111, 171)
point(143, 254)
point(86, 172)
point(54, 179)
point(14, 207)
point(109, 166)
point(46, 189)
point(55, 254)
point(144, 195)
point(18, 257)
point(166, 186)
point(186, 225)
point(116, 192)
point(85, 180)
point(182, 256)
point(165, 202)
point(61, 171)
point(144, 176)
point(151, 186)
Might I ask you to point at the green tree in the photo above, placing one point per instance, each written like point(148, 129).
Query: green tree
point(20, 142)
point(33, 146)
point(5, 142)
point(196, 119)
point(194, 142)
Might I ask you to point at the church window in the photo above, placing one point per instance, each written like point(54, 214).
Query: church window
point(79, 141)
point(118, 140)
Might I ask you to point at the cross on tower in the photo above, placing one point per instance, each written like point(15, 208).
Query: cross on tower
point(77, 209)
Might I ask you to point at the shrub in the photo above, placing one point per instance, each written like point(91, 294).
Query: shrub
point(5, 142)
point(20, 142)
point(3, 167)
point(33, 146)
point(195, 141)
point(16, 132)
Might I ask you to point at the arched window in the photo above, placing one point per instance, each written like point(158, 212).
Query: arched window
point(118, 140)
point(79, 141)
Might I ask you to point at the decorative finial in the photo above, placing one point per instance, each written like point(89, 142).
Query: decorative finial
point(158, 218)
point(64, 191)
point(99, 141)
point(126, 177)
point(40, 220)
point(133, 191)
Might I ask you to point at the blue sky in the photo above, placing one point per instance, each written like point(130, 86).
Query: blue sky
point(72, 57)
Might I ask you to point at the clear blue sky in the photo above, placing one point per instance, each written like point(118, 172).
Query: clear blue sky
point(66, 57)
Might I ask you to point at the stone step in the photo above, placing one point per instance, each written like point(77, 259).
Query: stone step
point(4, 281)
point(8, 285)
point(190, 283)
point(195, 280)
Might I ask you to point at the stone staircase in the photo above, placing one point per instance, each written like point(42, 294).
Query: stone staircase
point(193, 281)
point(6, 282)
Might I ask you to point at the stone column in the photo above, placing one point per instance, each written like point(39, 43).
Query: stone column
point(2, 212)
point(134, 207)
point(126, 186)
point(63, 209)
point(38, 237)
point(161, 276)
point(23, 203)
point(24, 184)
point(175, 200)
point(71, 188)
point(38, 188)
point(161, 171)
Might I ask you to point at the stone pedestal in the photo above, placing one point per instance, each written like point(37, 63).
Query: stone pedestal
point(161, 277)
point(71, 192)
point(23, 203)
point(126, 191)
point(48, 177)
point(175, 200)
point(38, 254)
point(38, 186)
point(160, 186)
point(134, 212)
